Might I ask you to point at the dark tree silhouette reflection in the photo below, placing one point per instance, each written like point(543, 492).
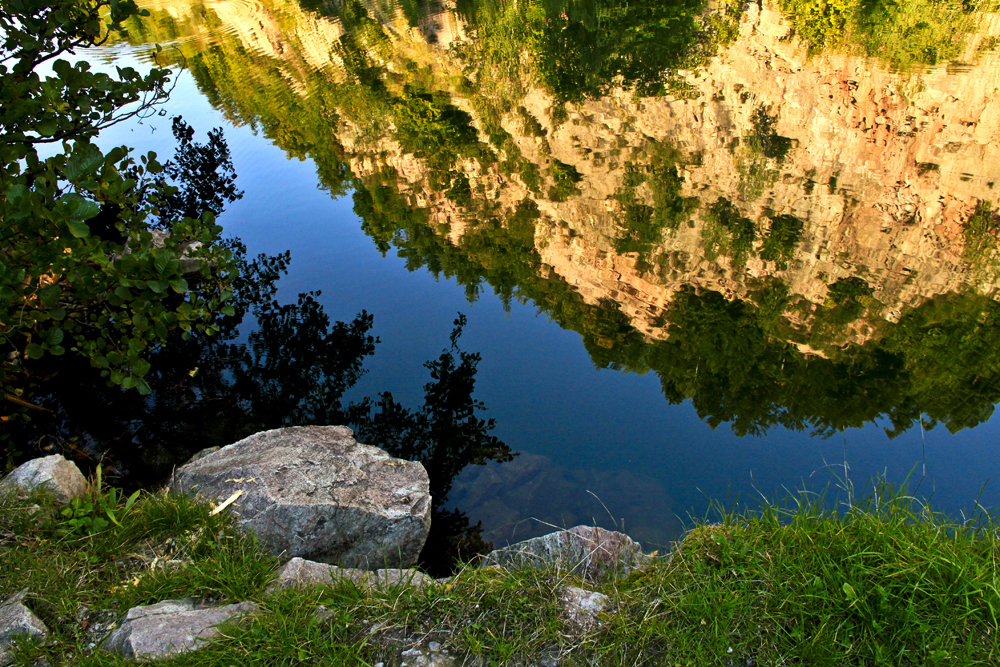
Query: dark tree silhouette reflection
point(292, 369)
point(445, 434)
point(270, 365)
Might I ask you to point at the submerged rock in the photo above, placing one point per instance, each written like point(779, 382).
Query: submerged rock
point(587, 551)
point(300, 572)
point(52, 474)
point(316, 493)
point(170, 627)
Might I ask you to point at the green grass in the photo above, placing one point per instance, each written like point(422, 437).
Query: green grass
point(883, 582)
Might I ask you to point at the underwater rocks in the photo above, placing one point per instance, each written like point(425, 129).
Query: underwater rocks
point(314, 492)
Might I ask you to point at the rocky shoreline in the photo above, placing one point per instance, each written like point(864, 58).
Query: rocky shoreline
point(326, 508)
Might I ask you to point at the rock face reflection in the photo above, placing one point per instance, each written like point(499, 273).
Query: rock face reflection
point(784, 237)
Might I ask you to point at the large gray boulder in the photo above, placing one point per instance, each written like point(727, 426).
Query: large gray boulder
point(170, 627)
point(316, 493)
point(51, 474)
point(587, 551)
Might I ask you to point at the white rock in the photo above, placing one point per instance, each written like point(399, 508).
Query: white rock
point(52, 474)
point(418, 657)
point(580, 607)
point(170, 627)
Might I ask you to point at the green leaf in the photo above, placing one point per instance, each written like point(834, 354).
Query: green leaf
point(57, 313)
point(129, 382)
point(47, 127)
point(34, 351)
point(87, 210)
point(84, 161)
point(849, 591)
point(162, 261)
point(131, 500)
point(141, 367)
point(17, 192)
point(80, 208)
point(78, 229)
point(49, 296)
point(158, 286)
point(54, 336)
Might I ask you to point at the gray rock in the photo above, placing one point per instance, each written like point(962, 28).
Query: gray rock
point(427, 657)
point(16, 620)
point(316, 493)
point(169, 627)
point(203, 453)
point(587, 551)
point(52, 474)
point(300, 572)
point(580, 607)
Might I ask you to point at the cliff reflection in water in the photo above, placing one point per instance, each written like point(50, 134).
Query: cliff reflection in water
point(785, 233)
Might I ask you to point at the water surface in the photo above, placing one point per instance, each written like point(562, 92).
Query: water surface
point(700, 256)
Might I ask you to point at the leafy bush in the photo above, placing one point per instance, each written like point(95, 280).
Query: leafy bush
point(80, 271)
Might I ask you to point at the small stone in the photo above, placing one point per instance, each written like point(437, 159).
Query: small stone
point(434, 646)
point(580, 607)
point(299, 572)
point(170, 627)
point(16, 620)
point(52, 474)
point(418, 657)
point(322, 613)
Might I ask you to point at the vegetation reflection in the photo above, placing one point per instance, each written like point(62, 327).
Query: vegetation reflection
point(758, 359)
point(292, 368)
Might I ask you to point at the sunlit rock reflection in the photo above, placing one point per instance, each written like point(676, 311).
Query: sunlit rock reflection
point(833, 195)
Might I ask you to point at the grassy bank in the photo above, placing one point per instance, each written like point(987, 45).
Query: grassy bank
point(886, 582)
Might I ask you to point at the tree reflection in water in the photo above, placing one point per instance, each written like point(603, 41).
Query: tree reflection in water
point(291, 369)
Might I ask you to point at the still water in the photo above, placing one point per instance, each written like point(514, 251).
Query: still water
point(704, 253)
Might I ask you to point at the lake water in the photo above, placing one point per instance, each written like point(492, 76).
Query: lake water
point(700, 260)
